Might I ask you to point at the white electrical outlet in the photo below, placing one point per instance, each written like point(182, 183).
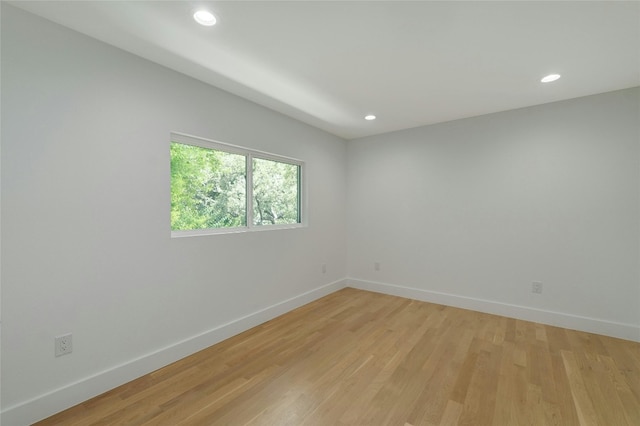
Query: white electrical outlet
point(536, 287)
point(64, 344)
point(324, 268)
point(376, 266)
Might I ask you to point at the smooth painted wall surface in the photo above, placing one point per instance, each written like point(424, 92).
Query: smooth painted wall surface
point(86, 244)
point(480, 208)
point(476, 208)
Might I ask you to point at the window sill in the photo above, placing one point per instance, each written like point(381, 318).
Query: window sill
point(239, 230)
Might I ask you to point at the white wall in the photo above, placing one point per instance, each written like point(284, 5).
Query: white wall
point(466, 213)
point(470, 212)
point(85, 221)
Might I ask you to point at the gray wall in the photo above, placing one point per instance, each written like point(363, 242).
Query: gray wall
point(85, 214)
point(471, 212)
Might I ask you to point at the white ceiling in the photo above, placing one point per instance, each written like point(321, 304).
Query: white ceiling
point(328, 63)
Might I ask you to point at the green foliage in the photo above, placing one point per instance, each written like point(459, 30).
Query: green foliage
point(208, 189)
point(275, 192)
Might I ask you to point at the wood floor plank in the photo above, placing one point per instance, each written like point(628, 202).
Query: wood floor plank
point(587, 413)
point(451, 414)
point(439, 375)
point(479, 404)
point(361, 358)
point(564, 402)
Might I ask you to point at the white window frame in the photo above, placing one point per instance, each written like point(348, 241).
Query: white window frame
point(249, 155)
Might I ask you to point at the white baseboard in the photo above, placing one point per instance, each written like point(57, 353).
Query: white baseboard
point(60, 399)
point(559, 319)
point(45, 405)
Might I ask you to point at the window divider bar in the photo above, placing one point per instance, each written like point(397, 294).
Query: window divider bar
point(249, 189)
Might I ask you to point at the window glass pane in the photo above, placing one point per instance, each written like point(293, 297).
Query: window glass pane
point(208, 188)
point(276, 192)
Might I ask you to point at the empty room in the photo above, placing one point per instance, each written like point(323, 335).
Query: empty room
point(320, 213)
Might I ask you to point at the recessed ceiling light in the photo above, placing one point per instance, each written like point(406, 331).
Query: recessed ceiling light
point(204, 17)
point(370, 117)
point(550, 78)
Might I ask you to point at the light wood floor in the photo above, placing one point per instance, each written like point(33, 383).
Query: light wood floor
point(361, 358)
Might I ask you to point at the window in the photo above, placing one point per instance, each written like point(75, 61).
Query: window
point(218, 188)
point(276, 192)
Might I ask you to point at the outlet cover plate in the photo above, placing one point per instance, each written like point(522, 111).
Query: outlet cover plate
point(536, 287)
point(63, 344)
